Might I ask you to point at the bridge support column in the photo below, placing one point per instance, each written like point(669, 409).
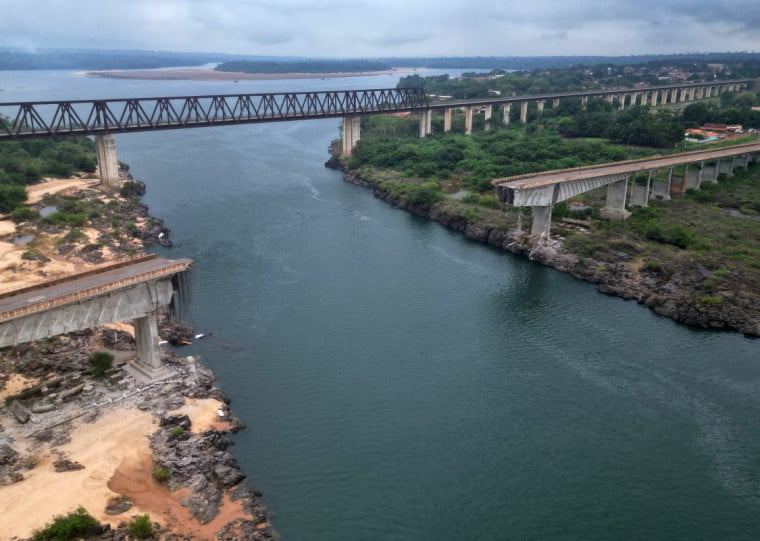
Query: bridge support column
point(447, 120)
point(488, 115)
point(351, 133)
point(653, 98)
point(614, 209)
point(708, 92)
point(540, 107)
point(640, 194)
point(148, 366)
point(426, 120)
point(621, 99)
point(523, 112)
point(555, 103)
point(541, 221)
point(467, 120)
point(584, 102)
point(506, 111)
point(108, 165)
point(692, 90)
point(691, 177)
point(683, 95)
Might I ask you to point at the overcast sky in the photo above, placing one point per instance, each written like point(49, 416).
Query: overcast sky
point(371, 28)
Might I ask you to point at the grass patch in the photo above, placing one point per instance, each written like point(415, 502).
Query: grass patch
point(71, 526)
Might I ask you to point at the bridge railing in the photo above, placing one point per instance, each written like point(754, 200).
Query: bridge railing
point(91, 117)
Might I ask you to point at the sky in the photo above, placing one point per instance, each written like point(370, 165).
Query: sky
point(381, 28)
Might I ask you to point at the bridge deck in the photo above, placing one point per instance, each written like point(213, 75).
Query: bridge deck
point(77, 287)
point(546, 178)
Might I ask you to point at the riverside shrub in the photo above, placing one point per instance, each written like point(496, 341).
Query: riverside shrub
point(63, 528)
point(100, 361)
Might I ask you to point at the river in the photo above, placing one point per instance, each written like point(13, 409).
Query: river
point(401, 382)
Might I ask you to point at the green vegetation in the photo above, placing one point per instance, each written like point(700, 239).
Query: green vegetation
point(26, 162)
point(140, 527)
point(177, 431)
point(71, 526)
point(160, 474)
point(474, 161)
point(100, 362)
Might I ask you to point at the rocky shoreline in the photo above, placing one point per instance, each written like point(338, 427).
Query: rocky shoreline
point(675, 295)
point(200, 471)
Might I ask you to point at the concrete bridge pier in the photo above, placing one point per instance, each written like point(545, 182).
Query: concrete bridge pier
point(614, 209)
point(621, 99)
point(426, 123)
point(467, 120)
point(584, 102)
point(653, 98)
point(692, 177)
point(708, 92)
point(683, 95)
point(108, 165)
point(505, 112)
point(540, 107)
point(640, 194)
point(148, 366)
point(541, 221)
point(555, 103)
point(692, 90)
point(447, 120)
point(488, 114)
point(351, 133)
point(727, 168)
point(523, 112)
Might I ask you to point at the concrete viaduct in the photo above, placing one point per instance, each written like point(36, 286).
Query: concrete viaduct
point(653, 96)
point(128, 289)
point(541, 191)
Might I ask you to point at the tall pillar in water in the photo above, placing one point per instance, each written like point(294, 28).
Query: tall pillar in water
point(467, 120)
point(488, 115)
point(108, 165)
point(506, 111)
point(541, 221)
point(447, 120)
point(523, 112)
point(614, 209)
point(351, 134)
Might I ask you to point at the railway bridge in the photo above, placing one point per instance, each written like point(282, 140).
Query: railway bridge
point(103, 118)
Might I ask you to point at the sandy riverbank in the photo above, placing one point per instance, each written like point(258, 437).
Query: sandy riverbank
point(205, 74)
point(109, 443)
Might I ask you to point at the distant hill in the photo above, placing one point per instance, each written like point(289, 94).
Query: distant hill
point(89, 59)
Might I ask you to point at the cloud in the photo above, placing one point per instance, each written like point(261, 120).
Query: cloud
point(391, 28)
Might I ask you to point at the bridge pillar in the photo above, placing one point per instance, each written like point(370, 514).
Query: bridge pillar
point(621, 99)
point(640, 194)
point(467, 120)
point(692, 90)
point(146, 337)
point(447, 120)
point(653, 98)
point(426, 122)
point(691, 177)
point(584, 102)
point(108, 165)
point(555, 103)
point(351, 133)
point(609, 97)
point(708, 92)
point(614, 209)
point(488, 115)
point(523, 112)
point(506, 111)
point(683, 95)
point(540, 107)
point(541, 221)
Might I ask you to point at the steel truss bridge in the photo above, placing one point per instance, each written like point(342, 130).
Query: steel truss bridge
point(23, 120)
